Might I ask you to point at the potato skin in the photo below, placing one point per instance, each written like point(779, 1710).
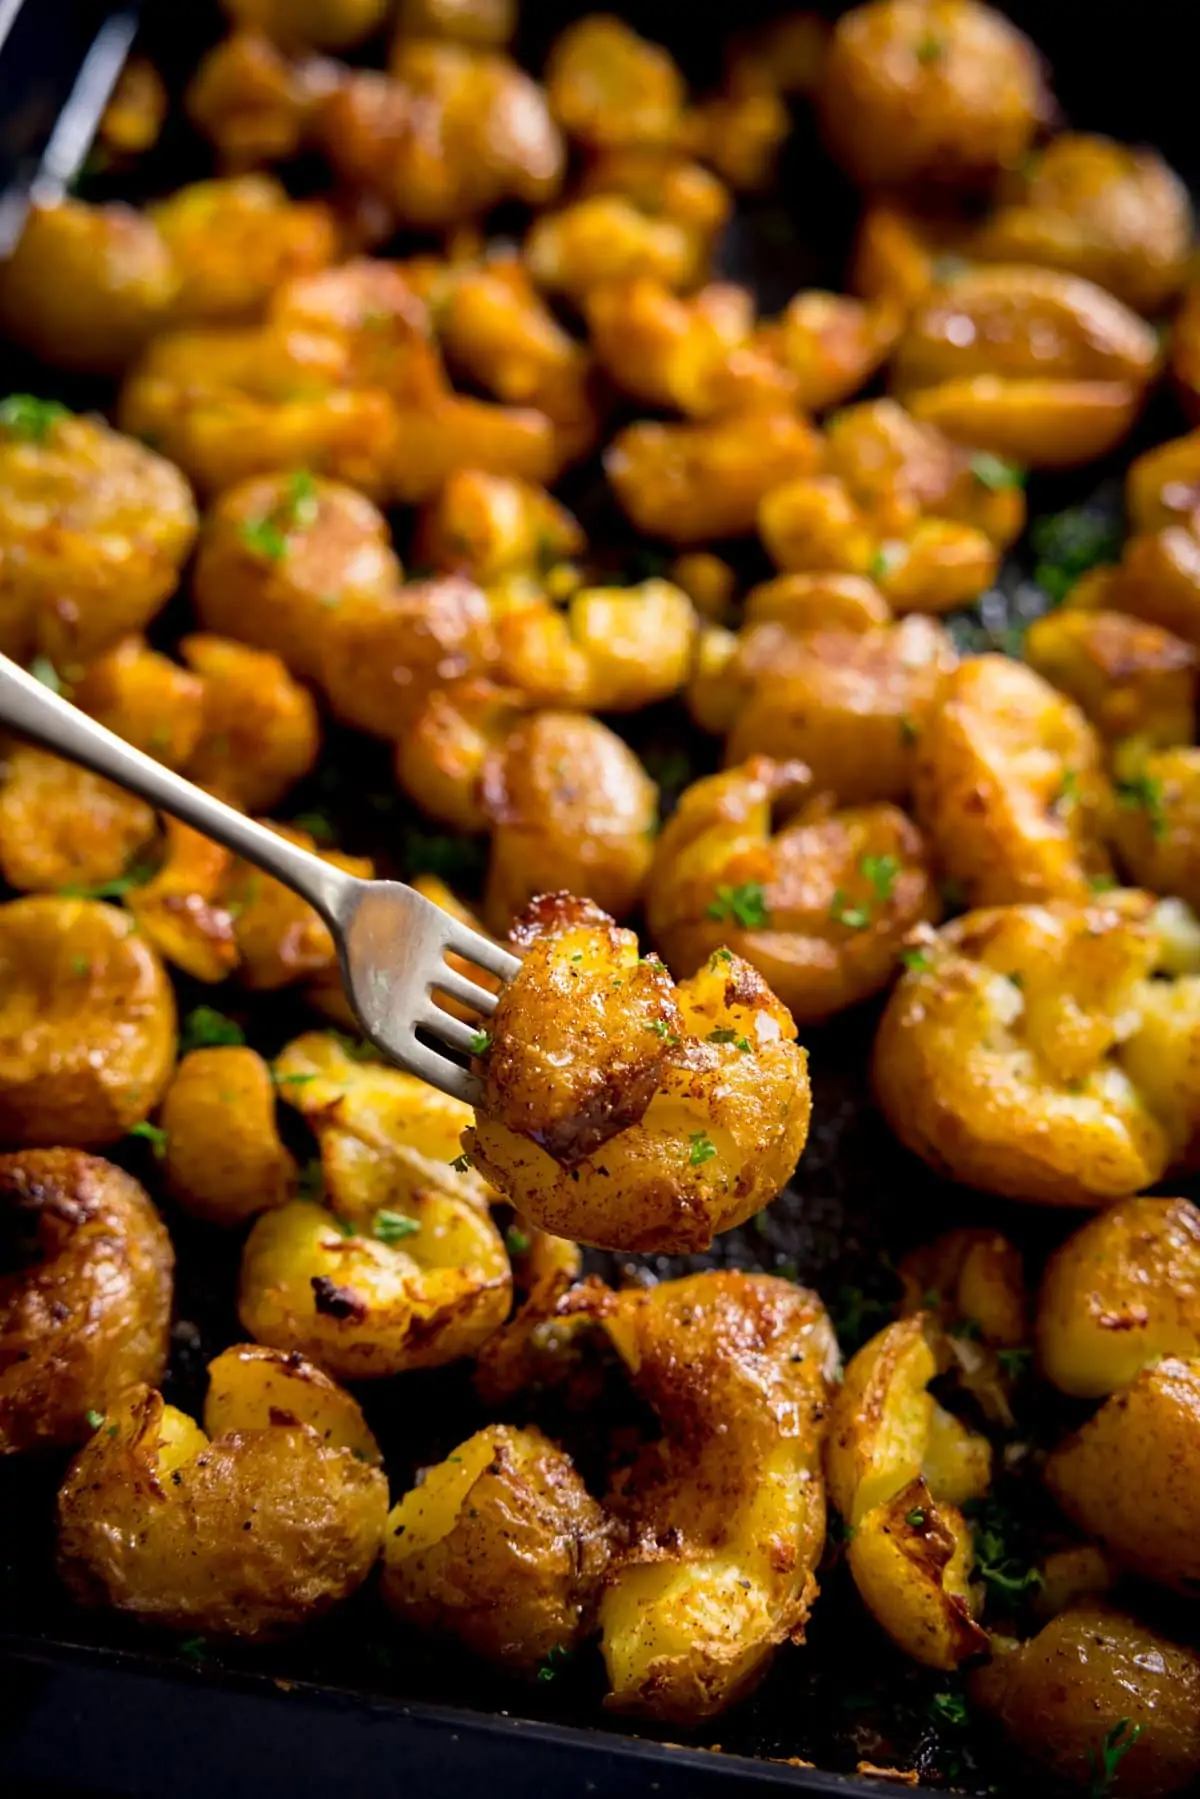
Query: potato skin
point(946, 92)
point(62, 826)
point(224, 1158)
point(1060, 1694)
point(1129, 677)
point(87, 1023)
point(911, 1559)
point(85, 1304)
point(1016, 1089)
point(698, 1133)
point(1156, 827)
point(261, 733)
point(152, 1520)
point(696, 482)
point(501, 1547)
point(1123, 1290)
point(724, 1519)
point(1130, 1476)
point(235, 241)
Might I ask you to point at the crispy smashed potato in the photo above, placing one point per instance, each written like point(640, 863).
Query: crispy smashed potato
point(820, 906)
point(1130, 1476)
point(180, 910)
point(441, 758)
point(999, 1056)
point(692, 483)
point(261, 733)
point(321, 24)
point(85, 1295)
point(253, 103)
point(281, 939)
point(911, 1559)
point(500, 1547)
point(1009, 786)
point(629, 1114)
point(234, 241)
point(946, 92)
point(1131, 678)
point(489, 526)
point(1156, 827)
point(610, 649)
point(94, 530)
point(1120, 1293)
point(136, 111)
point(145, 698)
point(1089, 206)
point(153, 1514)
point(701, 355)
point(609, 87)
point(486, 22)
point(605, 237)
point(969, 1274)
point(833, 344)
point(725, 1517)
point(224, 1159)
point(87, 1023)
point(61, 826)
point(86, 286)
point(568, 803)
point(1091, 1678)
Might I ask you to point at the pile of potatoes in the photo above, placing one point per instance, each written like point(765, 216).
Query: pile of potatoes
point(326, 497)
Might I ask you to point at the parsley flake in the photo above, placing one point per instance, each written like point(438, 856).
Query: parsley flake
point(28, 419)
point(994, 472)
point(746, 905)
point(1147, 792)
point(263, 536)
point(154, 1134)
point(725, 1036)
point(43, 670)
point(949, 1708)
point(94, 1419)
point(855, 918)
point(554, 1663)
point(916, 959)
point(703, 1148)
point(206, 1028)
point(1113, 1750)
point(517, 1241)
point(916, 1517)
point(137, 876)
point(461, 1164)
point(881, 871)
point(481, 1042)
point(394, 1227)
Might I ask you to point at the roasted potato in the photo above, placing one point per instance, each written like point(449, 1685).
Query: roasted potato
point(1162, 485)
point(223, 1158)
point(94, 530)
point(253, 103)
point(609, 87)
point(260, 734)
point(234, 241)
point(487, 22)
point(1095, 1680)
point(1120, 1293)
point(911, 1560)
point(1156, 826)
point(724, 1518)
point(611, 649)
point(321, 24)
point(662, 183)
point(969, 1275)
point(1089, 206)
point(1130, 678)
point(693, 483)
point(914, 91)
point(280, 939)
point(1010, 787)
point(568, 803)
point(85, 1294)
point(833, 344)
point(87, 1023)
point(145, 698)
point(86, 286)
point(500, 1547)
point(61, 826)
point(153, 1514)
point(819, 906)
point(631, 1115)
point(701, 355)
point(136, 111)
point(181, 909)
point(999, 1055)
point(1129, 1476)
point(489, 526)
point(441, 758)
point(605, 237)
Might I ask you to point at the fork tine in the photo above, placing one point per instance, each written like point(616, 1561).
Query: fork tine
point(480, 950)
point(429, 1066)
point(451, 1030)
point(448, 980)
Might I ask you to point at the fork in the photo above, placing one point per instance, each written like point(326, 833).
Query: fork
point(392, 943)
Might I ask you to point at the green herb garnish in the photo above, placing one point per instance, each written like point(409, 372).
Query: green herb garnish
point(881, 872)
point(394, 1227)
point(29, 419)
point(725, 1036)
point(481, 1042)
point(746, 905)
point(992, 471)
point(154, 1135)
point(703, 1148)
point(855, 918)
point(1113, 1750)
point(206, 1028)
point(517, 1241)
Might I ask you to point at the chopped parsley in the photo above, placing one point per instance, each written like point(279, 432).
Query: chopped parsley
point(1068, 791)
point(881, 872)
point(154, 1134)
point(517, 1241)
point(461, 1164)
point(206, 1028)
point(855, 918)
point(992, 471)
point(394, 1227)
point(554, 1663)
point(721, 955)
point(294, 1080)
point(745, 905)
point(1107, 1759)
point(43, 670)
point(29, 419)
point(661, 1029)
point(302, 503)
point(137, 876)
point(81, 965)
point(1015, 1362)
point(94, 1419)
point(264, 537)
point(949, 1708)
point(929, 48)
point(908, 732)
point(1009, 1578)
point(703, 1148)
point(319, 827)
point(481, 1042)
point(194, 1649)
point(916, 1517)
point(1068, 544)
point(916, 959)
point(1102, 883)
point(725, 1036)
point(1146, 792)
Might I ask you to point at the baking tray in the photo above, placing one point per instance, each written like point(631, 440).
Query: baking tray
point(91, 1702)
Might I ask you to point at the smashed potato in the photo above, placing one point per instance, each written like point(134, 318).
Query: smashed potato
point(260, 732)
point(607, 86)
point(630, 1114)
point(321, 24)
point(725, 1516)
point(145, 698)
point(1009, 786)
point(1130, 678)
point(605, 237)
point(61, 826)
point(180, 910)
point(1129, 1476)
point(85, 1294)
point(692, 483)
point(820, 906)
point(280, 938)
point(234, 241)
point(500, 1547)
point(253, 103)
point(267, 1517)
point(87, 1023)
point(1092, 1678)
point(611, 649)
point(1120, 1293)
point(223, 1158)
point(1156, 827)
point(488, 526)
point(999, 1055)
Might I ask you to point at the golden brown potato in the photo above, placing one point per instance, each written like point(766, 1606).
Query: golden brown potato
point(1157, 579)
point(261, 733)
point(640, 1121)
point(93, 532)
point(820, 906)
point(1120, 1293)
point(817, 602)
point(1044, 423)
point(833, 344)
point(1095, 1679)
point(606, 237)
point(969, 1274)
point(279, 938)
point(487, 22)
point(902, 249)
point(911, 1560)
point(1162, 486)
point(1129, 1476)
point(692, 483)
point(701, 356)
point(86, 286)
point(234, 241)
point(662, 183)
point(87, 1023)
point(153, 1514)
point(1009, 786)
point(145, 698)
point(708, 582)
point(1119, 216)
point(725, 1517)
point(253, 103)
point(323, 24)
point(849, 704)
point(569, 804)
point(61, 826)
point(1185, 351)
point(379, 314)
point(384, 657)
point(929, 90)
point(489, 526)
point(337, 560)
point(441, 758)
point(224, 1159)
point(1156, 827)
point(998, 1057)
point(610, 649)
point(1130, 678)
point(609, 87)
point(85, 1297)
point(459, 431)
point(741, 130)
point(501, 1547)
point(136, 111)
point(180, 910)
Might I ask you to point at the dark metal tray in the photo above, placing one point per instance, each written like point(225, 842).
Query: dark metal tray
point(90, 1702)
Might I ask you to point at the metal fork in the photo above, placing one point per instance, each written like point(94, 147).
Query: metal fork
point(392, 943)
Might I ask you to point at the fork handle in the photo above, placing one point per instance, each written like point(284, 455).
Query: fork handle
point(32, 710)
